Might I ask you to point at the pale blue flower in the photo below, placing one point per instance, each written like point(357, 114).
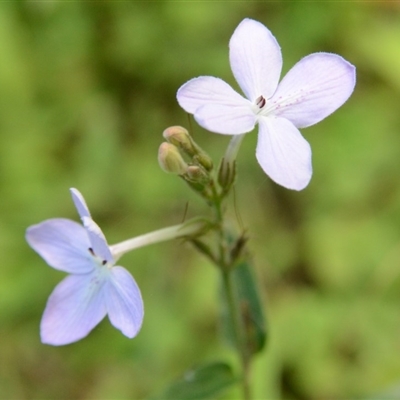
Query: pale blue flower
point(95, 287)
point(314, 88)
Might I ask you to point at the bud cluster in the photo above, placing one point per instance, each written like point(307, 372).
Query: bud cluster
point(181, 155)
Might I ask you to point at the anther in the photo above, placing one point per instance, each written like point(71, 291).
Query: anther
point(91, 251)
point(260, 102)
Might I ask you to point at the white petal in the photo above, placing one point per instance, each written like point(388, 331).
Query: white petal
point(74, 308)
point(124, 302)
point(207, 90)
point(80, 203)
point(229, 120)
point(314, 88)
point(255, 58)
point(98, 240)
point(64, 245)
point(284, 155)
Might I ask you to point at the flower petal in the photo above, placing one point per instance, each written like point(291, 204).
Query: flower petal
point(74, 308)
point(80, 203)
point(314, 88)
point(98, 240)
point(229, 120)
point(284, 155)
point(208, 90)
point(256, 59)
point(124, 302)
point(63, 244)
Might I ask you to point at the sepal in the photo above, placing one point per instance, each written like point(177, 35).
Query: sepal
point(226, 174)
point(194, 228)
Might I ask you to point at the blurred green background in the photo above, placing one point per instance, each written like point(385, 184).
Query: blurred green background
point(86, 89)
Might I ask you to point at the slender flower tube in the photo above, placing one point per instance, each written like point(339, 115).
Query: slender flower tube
point(95, 287)
point(190, 228)
point(313, 89)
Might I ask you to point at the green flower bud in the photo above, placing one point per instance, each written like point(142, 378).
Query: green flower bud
point(226, 174)
point(204, 160)
point(170, 159)
point(197, 174)
point(180, 137)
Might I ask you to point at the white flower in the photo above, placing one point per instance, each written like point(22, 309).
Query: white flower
point(314, 88)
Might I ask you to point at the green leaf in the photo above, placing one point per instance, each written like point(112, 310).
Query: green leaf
point(247, 296)
point(203, 382)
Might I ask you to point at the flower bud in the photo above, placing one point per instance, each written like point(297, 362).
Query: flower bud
point(226, 174)
point(180, 137)
point(170, 159)
point(204, 160)
point(197, 174)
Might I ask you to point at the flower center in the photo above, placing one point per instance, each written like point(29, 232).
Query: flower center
point(97, 258)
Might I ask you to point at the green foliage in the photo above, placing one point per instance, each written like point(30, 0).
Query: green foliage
point(251, 310)
point(86, 90)
point(204, 382)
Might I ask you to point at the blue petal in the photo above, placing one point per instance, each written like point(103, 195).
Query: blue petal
point(63, 244)
point(96, 236)
point(74, 308)
point(97, 240)
point(124, 302)
point(80, 203)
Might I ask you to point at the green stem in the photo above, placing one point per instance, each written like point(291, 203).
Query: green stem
point(226, 265)
point(225, 258)
point(239, 333)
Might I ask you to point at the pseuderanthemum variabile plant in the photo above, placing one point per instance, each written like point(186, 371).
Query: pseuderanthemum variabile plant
point(95, 286)
point(313, 89)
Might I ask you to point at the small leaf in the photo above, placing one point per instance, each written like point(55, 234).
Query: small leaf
point(250, 307)
point(203, 382)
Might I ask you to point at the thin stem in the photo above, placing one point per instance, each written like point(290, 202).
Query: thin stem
point(240, 340)
point(226, 265)
point(225, 256)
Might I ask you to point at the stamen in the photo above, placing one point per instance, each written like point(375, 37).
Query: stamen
point(260, 102)
point(91, 251)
